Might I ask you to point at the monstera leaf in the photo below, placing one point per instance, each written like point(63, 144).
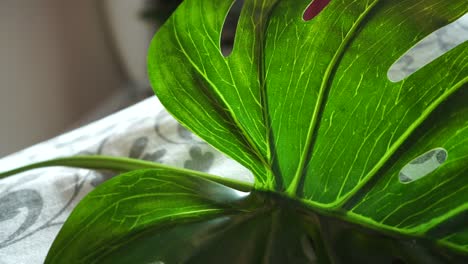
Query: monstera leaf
point(349, 167)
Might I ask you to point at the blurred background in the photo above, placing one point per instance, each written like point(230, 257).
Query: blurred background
point(66, 63)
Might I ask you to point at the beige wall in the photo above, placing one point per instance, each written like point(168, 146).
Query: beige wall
point(55, 67)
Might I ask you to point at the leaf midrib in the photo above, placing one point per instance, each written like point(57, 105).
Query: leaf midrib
point(388, 154)
point(293, 189)
point(250, 142)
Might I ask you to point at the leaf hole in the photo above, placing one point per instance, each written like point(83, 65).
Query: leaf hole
point(314, 8)
point(429, 49)
point(423, 165)
point(229, 28)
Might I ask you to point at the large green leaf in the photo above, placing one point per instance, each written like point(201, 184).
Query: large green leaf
point(308, 107)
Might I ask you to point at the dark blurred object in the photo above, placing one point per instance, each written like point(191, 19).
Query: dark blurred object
point(160, 10)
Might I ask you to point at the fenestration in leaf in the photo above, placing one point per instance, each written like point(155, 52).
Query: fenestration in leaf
point(310, 101)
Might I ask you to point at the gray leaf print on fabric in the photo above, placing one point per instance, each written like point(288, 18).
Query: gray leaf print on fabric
point(199, 161)
point(12, 202)
point(155, 156)
point(138, 148)
point(173, 132)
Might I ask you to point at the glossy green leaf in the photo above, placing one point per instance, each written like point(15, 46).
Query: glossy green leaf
point(308, 107)
point(126, 208)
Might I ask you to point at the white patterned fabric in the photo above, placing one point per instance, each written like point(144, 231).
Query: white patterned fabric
point(35, 204)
